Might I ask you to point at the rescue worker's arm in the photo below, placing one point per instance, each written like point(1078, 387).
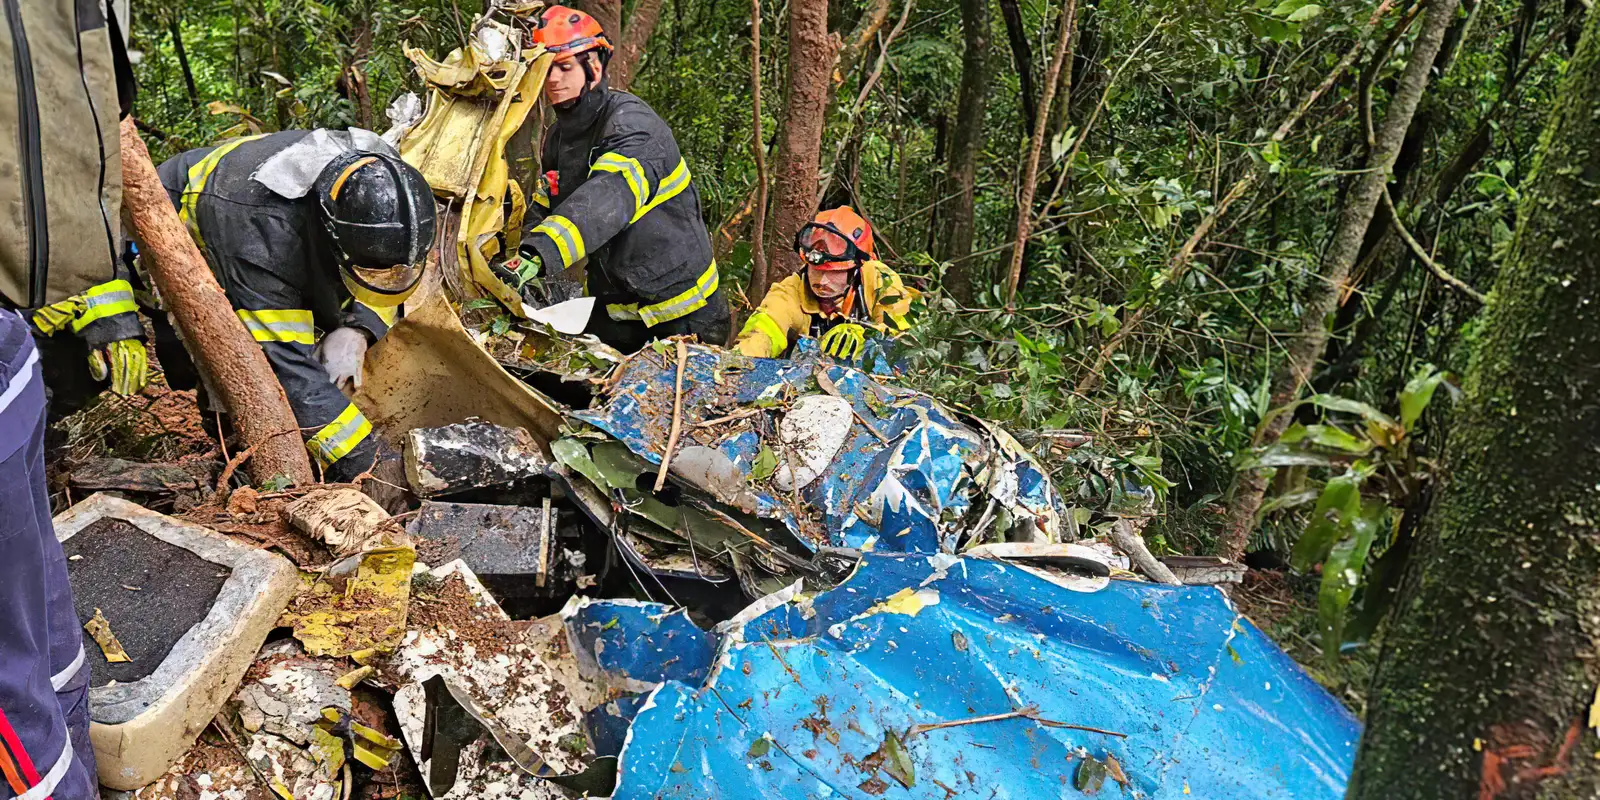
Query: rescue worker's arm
point(780, 319)
point(893, 301)
point(375, 321)
point(106, 318)
point(625, 182)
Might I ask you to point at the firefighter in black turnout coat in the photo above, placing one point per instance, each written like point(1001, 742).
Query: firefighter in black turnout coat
point(316, 237)
point(615, 189)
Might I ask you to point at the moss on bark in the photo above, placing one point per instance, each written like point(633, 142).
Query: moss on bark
point(1491, 663)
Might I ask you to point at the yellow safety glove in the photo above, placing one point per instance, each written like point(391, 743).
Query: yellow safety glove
point(58, 316)
point(844, 340)
point(125, 362)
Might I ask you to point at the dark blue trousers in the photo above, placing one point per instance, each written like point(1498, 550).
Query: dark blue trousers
point(44, 686)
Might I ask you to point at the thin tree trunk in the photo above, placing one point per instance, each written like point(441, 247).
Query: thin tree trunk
point(1360, 204)
point(966, 147)
point(1022, 54)
point(758, 149)
point(641, 24)
point(1488, 671)
point(213, 334)
point(860, 38)
point(183, 62)
point(1030, 173)
point(805, 104)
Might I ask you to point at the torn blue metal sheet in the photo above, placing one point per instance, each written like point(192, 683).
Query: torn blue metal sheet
point(994, 683)
point(635, 645)
point(922, 491)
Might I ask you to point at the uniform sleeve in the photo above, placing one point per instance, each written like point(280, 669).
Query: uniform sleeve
point(625, 172)
point(780, 319)
point(375, 321)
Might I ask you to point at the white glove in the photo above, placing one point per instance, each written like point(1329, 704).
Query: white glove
point(341, 353)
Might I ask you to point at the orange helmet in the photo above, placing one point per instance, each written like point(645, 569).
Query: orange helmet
point(566, 32)
point(836, 239)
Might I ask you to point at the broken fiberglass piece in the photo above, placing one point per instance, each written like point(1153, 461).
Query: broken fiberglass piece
point(804, 698)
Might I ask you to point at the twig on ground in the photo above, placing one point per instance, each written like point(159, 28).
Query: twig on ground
point(677, 417)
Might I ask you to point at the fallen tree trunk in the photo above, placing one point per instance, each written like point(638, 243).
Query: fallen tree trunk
point(234, 365)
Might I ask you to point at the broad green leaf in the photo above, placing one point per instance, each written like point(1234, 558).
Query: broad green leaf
point(1345, 404)
point(479, 302)
point(1288, 7)
point(1414, 399)
point(1340, 501)
point(1306, 12)
point(897, 762)
point(1283, 455)
point(1341, 573)
point(1327, 436)
point(765, 464)
point(575, 455)
point(1289, 500)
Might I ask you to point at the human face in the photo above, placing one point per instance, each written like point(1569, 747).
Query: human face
point(828, 284)
point(566, 80)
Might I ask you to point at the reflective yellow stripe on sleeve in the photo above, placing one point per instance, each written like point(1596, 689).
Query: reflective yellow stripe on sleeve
point(339, 437)
point(760, 322)
point(286, 325)
point(199, 175)
point(106, 300)
point(566, 236)
point(671, 186)
point(631, 170)
point(688, 302)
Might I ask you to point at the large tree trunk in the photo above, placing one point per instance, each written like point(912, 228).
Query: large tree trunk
point(966, 146)
point(608, 13)
point(221, 347)
point(1488, 673)
point(641, 24)
point(805, 104)
point(1323, 299)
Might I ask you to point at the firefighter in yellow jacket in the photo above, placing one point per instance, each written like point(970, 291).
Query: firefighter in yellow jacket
point(843, 293)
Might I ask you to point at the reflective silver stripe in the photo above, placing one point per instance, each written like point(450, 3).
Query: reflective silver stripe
point(670, 187)
point(61, 678)
point(47, 784)
point(631, 170)
point(566, 236)
point(25, 375)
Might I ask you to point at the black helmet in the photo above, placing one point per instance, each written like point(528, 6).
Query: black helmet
point(379, 211)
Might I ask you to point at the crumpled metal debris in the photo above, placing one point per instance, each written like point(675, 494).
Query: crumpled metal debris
point(814, 461)
point(940, 676)
point(459, 633)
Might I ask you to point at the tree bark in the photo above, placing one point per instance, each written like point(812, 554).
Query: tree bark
point(608, 13)
point(1030, 173)
point(1323, 299)
point(966, 147)
point(860, 38)
point(1022, 55)
point(805, 104)
point(758, 149)
point(1489, 669)
point(222, 348)
point(641, 24)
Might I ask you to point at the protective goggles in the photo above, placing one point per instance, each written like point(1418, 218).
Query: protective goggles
point(823, 245)
point(382, 288)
